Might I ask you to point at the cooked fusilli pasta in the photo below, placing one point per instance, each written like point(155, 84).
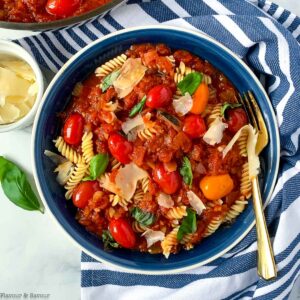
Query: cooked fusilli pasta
point(111, 65)
point(215, 113)
point(111, 106)
point(181, 71)
point(177, 212)
point(87, 146)
point(115, 164)
point(206, 79)
point(77, 89)
point(169, 242)
point(116, 199)
point(242, 142)
point(67, 151)
point(213, 226)
point(187, 241)
point(236, 209)
point(75, 178)
point(148, 133)
point(245, 186)
point(145, 184)
point(138, 227)
point(139, 195)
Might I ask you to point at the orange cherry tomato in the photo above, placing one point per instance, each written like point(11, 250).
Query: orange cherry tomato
point(200, 99)
point(217, 186)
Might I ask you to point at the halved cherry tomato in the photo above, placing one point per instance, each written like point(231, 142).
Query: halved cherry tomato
point(122, 232)
point(62, 8)
point(216, 187)
point(169, 182)
point(84, 192)
point(120, 148)
point(194, 126)
point(73, 129)
point(236, 119)
point(200, 99)
point(159, 96)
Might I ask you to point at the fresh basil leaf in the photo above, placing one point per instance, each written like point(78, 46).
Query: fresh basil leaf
point(186, 171)
point(98, 165)
point(109, 80)
point(16, 187)
point(188, 225)
point(138, 107)
point(108, 240)
point(190, 83)
point(143, 217)
point(227, 105)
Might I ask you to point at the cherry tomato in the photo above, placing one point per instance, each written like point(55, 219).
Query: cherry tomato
point(122, 232)
point(120, 148)
point(159, 96)
point(73, 129)
point(194, 126)
point(62, 8)
point(216, 187)
point(169, 182)
point(236, 119)
point(84, 192)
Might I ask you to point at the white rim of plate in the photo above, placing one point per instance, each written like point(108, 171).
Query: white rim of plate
point(69, 62)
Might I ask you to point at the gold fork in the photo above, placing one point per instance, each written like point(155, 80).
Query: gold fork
point(266, 267)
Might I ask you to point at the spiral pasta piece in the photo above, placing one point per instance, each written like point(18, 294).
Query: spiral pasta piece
point(181, 71)
point(169, 242)
point(213, 226)
point(77, 89)
point(208, 110)
point(67, 151)
point(236, 209)
point(75, 178)
point(187, 241)
point(242, 142)
point(212, 204)
point(115, 164)
point(111, 106)
point(215, 113)
point(177, 212)
point(148, 133)
point(145, 184)
point(111, 65)
point(206, 79)
point(87, 146)
point(118, 200)
point(245, 186)
point(139, 195)
point(138, 227)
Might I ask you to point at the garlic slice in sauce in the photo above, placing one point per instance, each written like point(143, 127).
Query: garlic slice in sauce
point(214, 134)
point(131, 74)
point(253, 159)
point(183, 104)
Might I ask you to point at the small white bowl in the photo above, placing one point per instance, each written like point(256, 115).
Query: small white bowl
point(14, 50)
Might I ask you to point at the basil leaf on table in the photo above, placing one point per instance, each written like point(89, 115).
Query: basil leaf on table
point(108, 240)
point(138, 107)
point(188, 225)
point(227, 105)
point(143, 217)
point(186, 171)
point(98, 165)
point(109, 80)
point(16, 186)
point(190, 83)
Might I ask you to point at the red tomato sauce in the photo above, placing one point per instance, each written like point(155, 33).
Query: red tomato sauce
point(31, 11)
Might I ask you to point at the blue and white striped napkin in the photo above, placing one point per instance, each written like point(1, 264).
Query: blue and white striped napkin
point(268, 37)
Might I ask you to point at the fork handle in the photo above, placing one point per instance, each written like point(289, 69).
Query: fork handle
point(266, 267)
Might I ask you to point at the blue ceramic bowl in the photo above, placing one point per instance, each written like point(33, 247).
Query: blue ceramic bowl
point(47, 127)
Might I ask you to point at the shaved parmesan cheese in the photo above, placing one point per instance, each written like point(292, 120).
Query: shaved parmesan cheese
point(131, 74)
point(165, 200)
point(55, 158)
point(253, 159)
point(9, 113)
point(195, 202)
point(152, 236)
point(19, 67)
point(107, 184)
point(127, 179)
point(129, 124)
point(183, 104)
point(18, 89)
point(64, 171)
point(214, 134)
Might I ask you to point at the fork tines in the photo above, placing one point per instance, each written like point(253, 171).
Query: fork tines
point(251, 108)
